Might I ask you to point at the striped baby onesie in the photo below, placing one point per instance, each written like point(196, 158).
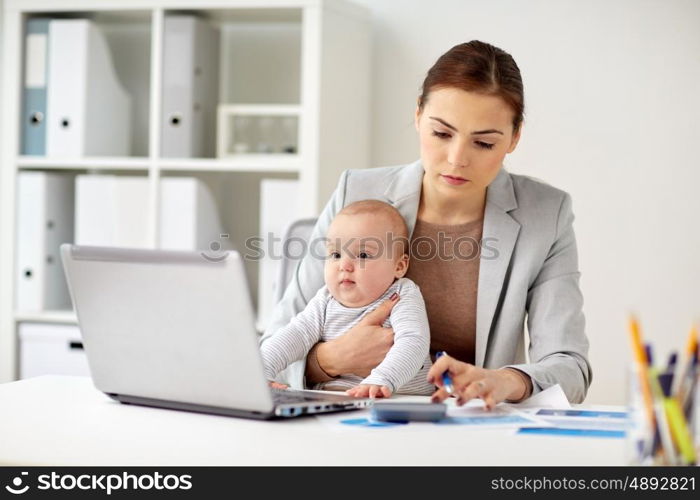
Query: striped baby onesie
point(406, 365)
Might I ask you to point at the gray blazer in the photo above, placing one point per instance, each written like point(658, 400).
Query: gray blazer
point(528, 271)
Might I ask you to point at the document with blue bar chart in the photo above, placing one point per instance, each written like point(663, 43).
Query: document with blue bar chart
point(586, 423)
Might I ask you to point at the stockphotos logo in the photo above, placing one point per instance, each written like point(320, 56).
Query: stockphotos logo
point(107, 483)
point(17, 488)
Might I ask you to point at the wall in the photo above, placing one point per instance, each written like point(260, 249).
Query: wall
point(2, 48)
point(612, 117)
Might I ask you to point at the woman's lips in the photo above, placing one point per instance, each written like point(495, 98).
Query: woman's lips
point(453, 180)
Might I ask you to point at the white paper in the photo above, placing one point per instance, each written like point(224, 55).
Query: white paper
point(474, 414)
point(585, 419)
point(35, 70)
point(552, 397)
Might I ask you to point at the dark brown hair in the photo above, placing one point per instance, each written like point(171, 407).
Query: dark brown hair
point(478, 67)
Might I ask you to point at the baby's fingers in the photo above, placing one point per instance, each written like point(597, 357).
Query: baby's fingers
point(384, 392)
point(361, 391)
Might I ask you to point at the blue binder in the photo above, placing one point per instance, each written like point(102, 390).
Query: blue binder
point(35, 85)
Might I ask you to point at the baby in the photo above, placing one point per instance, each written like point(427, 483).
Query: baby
point(367, 257)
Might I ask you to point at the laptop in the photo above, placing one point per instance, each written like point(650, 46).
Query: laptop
point(174, 329)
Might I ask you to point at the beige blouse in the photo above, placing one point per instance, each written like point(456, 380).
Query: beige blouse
point(445, 265)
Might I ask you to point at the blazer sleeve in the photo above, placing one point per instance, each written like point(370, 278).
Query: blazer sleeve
point(558, 343)
point(307, 280)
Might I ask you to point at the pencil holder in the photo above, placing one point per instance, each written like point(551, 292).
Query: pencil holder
point(640, 433)
point(695, 417)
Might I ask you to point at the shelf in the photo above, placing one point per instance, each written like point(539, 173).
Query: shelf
point(63, 317)
point(92, 163)
point(284, 12)
point(112, 11)
point(243, 163)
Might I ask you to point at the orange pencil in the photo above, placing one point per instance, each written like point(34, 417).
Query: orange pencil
point(643, 369)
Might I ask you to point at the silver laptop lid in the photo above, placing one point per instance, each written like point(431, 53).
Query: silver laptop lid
point(168, 325)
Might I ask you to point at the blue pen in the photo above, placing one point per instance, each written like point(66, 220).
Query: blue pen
point(446, 379)
point(671, 366)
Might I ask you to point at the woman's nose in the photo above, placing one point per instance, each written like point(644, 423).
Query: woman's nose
point(458, 154)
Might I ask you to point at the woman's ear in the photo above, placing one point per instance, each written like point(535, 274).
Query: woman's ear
point(401, 266)
point(516, 138)
point(416, 118)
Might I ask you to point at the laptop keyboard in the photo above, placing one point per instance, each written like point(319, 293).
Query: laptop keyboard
point(282, 396)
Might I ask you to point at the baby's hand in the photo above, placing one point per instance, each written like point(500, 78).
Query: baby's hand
point(369, 390)
point(276, 385)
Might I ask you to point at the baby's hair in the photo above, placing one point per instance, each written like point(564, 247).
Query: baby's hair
point(382, 209)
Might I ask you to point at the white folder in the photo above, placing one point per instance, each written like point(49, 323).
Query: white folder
point(189, 215)
point(190, 87)
point(44, 221)
point(110, 211)
point(279, 207)
point(89, 111)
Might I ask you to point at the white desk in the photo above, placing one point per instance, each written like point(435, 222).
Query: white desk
point(66, 421)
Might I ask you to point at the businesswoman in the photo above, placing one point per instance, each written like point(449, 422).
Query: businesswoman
point(468, 118)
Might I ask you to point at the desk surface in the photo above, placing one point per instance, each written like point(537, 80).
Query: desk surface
point(66, 421)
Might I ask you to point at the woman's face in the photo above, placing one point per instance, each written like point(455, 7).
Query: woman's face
point(464, 137)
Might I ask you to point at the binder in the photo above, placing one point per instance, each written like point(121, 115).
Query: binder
point(35, 83)
point(89, 111)
point(279, 206)
point(190, 87)
point(189, 218)
point(44, 221)
point(110, 209)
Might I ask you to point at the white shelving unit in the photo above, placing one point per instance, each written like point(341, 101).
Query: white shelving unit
point(312, 55)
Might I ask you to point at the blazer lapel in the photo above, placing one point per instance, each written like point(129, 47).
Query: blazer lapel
point(498, 240)
point(404, 193)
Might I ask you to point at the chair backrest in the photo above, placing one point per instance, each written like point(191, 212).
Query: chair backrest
point(294, 244)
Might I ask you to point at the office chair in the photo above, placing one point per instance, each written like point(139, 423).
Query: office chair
point(294, 243)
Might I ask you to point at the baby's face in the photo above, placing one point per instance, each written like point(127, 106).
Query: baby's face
point(360, 264)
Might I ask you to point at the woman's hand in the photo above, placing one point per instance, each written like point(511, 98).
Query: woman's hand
point(469, 382)
point(362, 347)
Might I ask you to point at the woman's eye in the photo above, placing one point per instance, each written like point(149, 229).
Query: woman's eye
point(484, 145)
point(441, 135)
